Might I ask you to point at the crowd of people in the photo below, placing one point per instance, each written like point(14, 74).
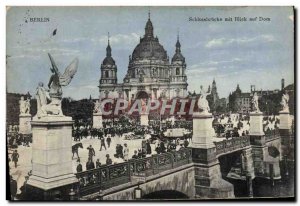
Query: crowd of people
point(152, 134)
point(236, 125)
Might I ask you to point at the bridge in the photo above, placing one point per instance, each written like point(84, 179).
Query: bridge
point(171, 171)
point(195, 172)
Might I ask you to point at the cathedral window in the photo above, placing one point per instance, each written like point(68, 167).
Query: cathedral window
point(106, 74)
point(177, 71)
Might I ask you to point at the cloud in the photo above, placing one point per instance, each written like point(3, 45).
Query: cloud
point(221, 42)
point(210, 63)
point(118, 39)
point(196, 70)
point(23, 56)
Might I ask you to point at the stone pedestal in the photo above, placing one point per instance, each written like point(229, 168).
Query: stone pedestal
point(97, 121)
point(285, 120)
point(24, 124)
point(247, 161)
point(202, 131)
point(145, 119)
point(256, 124)
point(208, 178)
point(287, 138)
point(52, 152)
point(209, 182)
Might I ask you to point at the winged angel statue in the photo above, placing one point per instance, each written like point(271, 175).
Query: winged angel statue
point(49, 100)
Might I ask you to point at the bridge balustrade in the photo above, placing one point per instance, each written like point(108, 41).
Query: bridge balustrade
point(271, 135)
point(108, 176)
point(228, 145)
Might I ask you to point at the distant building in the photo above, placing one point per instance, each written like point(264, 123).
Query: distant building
point(241, 101)
point(150, 73)
point(213, 98)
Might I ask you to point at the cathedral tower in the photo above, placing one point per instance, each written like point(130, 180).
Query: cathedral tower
point(108, 73)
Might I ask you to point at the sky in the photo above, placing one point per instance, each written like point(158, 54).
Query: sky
point(258, 53)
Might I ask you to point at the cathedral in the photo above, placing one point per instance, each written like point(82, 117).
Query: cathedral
point(150, 73)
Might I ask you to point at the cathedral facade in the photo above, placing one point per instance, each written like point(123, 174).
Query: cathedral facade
point(150, 73)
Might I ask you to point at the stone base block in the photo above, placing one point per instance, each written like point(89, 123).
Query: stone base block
point(285, 120)
point(144, 119)
point(259, 140)
point(276, 170)
point(50, 183)
point(256, 124)
point(97, 121)
point(247, 161)
point(202, 130)
point(51, 152)
point(209, 182)
point(24, 124)
point(224, 190)
point(204, 155)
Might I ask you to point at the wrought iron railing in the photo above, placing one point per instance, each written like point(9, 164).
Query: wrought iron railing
point(108, 176)
point(271, 137)
point(232, 144)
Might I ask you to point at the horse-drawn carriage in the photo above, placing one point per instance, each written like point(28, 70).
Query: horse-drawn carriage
point(132, 136)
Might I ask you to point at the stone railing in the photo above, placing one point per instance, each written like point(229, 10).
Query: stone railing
point(232, 144)
point(109, 176)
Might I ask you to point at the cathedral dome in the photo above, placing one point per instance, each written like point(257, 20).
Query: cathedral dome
point(149, 47)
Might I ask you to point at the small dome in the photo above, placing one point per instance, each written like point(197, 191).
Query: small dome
point(108, 61)
point(178, 56)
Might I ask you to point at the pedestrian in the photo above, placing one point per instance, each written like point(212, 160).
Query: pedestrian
point(79, 167)
point(186, 143)
point(98, 163)
point(162, 147)
point(148, 147)
point(108, 160)
point(15, 157)
point(13, 188)
point(108, 140)
point(102, 143)
point(140, 154)
point(90, 164)
point(157, 149)
point(135, 156)
point(125, 152)
point(91, 151)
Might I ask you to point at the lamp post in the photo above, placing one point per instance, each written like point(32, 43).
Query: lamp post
point(101, 194)
point(72, 195)
point(138, 192)
point(249, 185)
point(286, 165)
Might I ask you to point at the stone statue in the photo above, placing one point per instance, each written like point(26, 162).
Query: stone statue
point(24, 106)
point(27, 106)
point(202, 101)
point(144, 106)
point(54, 94)
point(42, 97)
point(255, 103)
point(284, 102)
point(97, 107)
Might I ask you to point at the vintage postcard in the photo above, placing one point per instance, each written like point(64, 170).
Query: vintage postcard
point(150, 103)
